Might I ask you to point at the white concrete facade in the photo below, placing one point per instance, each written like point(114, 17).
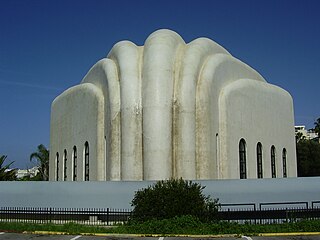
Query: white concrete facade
point(170, 109)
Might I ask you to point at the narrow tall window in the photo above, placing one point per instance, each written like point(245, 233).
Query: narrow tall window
point(259, 160)
point(57, 168)
point(65, 166)
point(86, 161)
point(242, 159)
point(273, 162)
point(284, 162)
point(74, 163)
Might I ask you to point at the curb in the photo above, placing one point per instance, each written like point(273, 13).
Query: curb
point(45, 232)
point(132, 235)
point(288, 234)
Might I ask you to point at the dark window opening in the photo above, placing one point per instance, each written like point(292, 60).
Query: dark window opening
point(74, 163)
point(259, 161)
point(86, 161)
point(284, 162)
point(242, 159)
point(273, 162)
point(57, 173)
point(65, 166)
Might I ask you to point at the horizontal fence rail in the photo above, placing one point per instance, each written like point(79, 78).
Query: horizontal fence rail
point(241, 213)
point(287, 204)
point(313, 204)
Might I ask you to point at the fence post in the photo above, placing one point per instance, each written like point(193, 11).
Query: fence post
point(50, 215)
point(107, 216)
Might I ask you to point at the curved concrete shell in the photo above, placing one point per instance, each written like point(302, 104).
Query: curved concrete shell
point(170, 109)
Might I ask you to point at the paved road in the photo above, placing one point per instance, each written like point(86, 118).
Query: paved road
point(19, 236)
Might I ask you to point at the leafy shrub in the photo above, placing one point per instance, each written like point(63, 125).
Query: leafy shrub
point(176, 225)
point(173, 198)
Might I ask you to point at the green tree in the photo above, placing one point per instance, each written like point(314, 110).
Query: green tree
point(299, 137)
point(7, 174)
point(308, 158)
point(171, 198)
point(317, 126)
point(42, 158)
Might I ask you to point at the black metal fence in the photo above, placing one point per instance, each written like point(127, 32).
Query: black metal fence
point(87, 216)
point(242, 213)
point(277, 212)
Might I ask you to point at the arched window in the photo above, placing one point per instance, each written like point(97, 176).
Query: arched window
point(57, 168)
point(273, 162)
point(242, 159)
point(65, 165)
point(74, 163)
point(259, 161)
point(284, 162)
point(86, 161)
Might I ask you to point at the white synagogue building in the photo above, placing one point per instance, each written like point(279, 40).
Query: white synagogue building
point(171, 109)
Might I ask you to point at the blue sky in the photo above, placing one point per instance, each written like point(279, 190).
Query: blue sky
point(48, 46)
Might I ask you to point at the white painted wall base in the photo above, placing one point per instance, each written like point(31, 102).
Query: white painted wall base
point(119, 194)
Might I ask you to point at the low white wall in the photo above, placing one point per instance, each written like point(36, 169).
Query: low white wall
point(119, 194)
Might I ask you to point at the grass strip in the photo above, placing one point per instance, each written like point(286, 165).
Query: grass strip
point(185, 225)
